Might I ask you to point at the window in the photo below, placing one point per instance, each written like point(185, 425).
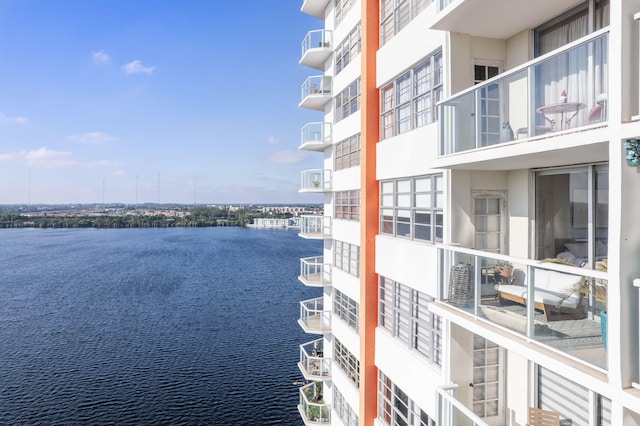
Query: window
point(571, 26)
point(408, 102)
point(413, 208)
point(572, 206)
point(489, 221)
point(348, 101)
point(347, 153)
point(396, 14)
point(347, 257)
point(346, 361)
point(347, 414)
point(348, 49)
point(487, 378)
point(346, 309)
point(404, 313)
point(342, 8)
point(347, 205)
point(395, 407)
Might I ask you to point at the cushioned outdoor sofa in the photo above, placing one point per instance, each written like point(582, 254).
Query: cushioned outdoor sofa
point(552, 295)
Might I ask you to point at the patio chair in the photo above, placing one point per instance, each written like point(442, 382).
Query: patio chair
point(540, 417)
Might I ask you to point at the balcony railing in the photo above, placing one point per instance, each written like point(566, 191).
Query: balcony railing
point(314, 272)
point(560, 306)
point(313, 317)
point(315, 136)
point(313, 365)
point(451, 411)
point(314, 8)
point(315, 180)
point(316, 48)
point(315, 227)
point(559, 92)
point(312, 408)
point(316, 92)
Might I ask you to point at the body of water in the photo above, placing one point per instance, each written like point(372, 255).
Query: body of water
point(151, 326)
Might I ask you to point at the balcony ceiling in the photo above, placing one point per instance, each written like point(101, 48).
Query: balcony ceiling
point(498, 18)
point(314, 7)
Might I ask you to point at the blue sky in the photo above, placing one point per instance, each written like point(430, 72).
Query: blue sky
point(184, 100)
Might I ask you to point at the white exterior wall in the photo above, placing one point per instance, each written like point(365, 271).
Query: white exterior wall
point(411, 263)
point(408, 370)
point(407, 154)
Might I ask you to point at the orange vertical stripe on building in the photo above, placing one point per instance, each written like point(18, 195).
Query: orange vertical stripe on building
point(369, 210)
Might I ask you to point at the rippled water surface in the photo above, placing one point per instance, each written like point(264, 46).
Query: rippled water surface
point(154, 326)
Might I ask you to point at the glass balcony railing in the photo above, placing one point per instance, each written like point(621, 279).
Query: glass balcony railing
point(313, 409)
point(316, 92)
point(313, 317)
point(315, 180)
point(315, 227)
point(558, 92)
point(316, 48)
point(314, 272)
point(315, 136)
point(560, 306)
point(451, 411)
point(313, 365)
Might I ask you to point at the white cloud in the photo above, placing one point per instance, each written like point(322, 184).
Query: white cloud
point(271, 140)
point(137, 67)
point(101, 57)
point(45, 158)
point(287, 157)
point(91, 138)
point(13, 120)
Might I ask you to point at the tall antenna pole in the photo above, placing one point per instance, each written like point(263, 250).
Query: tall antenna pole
point(29, 188)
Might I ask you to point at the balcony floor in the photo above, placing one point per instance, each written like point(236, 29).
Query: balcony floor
point(579, 338)
point(314, 280)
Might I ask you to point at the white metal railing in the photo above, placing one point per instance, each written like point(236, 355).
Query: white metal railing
point(316, 39)
point(452, 412)
point(557, 305)
point(315, 226)
point(312, 407)
point(316, 85)
point(315, 180)
point(313, 271)
point(560, 91)
point(313, 317)
point(313, 363)
point(318, 132)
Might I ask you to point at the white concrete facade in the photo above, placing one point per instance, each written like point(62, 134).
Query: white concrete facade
point(522, 164)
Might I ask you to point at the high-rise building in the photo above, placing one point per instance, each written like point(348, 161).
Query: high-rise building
point(481, 181)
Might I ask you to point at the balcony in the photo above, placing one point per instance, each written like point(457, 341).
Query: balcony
point(314, 8)
point(479, 17)
point(313, 365)
point(313, 318)
point(568, 309)
point(315, 227)
point(315, 136)
point(452, 411)
point(314, 272)
point(315, 180)
point(556, 94)
point(312, 408)
point(316, 92)
point(316, 49)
